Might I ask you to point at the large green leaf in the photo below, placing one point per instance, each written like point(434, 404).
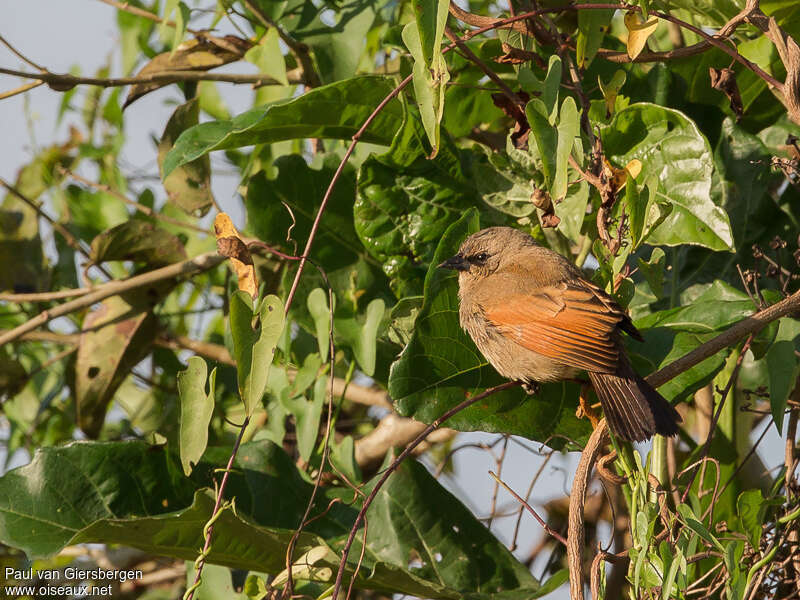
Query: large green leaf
point(334, 111)
point(671, 147)
point(441, 366)
point(405, 202)
point(783, 367)
point(134, 494)
point(197, 406)
point(301, 189)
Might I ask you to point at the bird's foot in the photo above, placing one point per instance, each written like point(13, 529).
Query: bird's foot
point(585, 409)
point(531, 387)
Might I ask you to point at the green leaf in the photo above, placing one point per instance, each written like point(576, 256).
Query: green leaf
point(196, 410)
point(133, 494)
point(188, 186)
point(671, 147)
point(140, 241)
point(645, 214)
point(405, 202)
point(181, 21)
point(254, 349)
point(441, 366)
point(308, 415)
point(783, 367)
point(430, 78)
point(317, 302)
point(552, 83)
point(339, 48)
point(592, 28)
point(750, 507)
point(333, 111)
point(568, 130)
point(361, 336)
point(546, 138)
point(653, 271)
point(431, 18)
point(691, 520)
point(267, 56)
point(301, 188)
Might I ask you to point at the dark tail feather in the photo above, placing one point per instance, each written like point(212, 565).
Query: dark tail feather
point(633, 409)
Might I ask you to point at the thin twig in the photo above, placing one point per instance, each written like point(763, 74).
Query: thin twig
point(185, 268)
point(20, 55)
point(140, 12)
point(530, 509)
point(63, 82)
point(20, 90)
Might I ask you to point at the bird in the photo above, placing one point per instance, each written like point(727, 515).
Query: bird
point(536, 319)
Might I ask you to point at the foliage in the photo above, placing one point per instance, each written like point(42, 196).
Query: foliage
point(216, 419)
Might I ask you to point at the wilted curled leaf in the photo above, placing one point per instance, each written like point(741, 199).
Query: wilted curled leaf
point(521, 128)
point(611, 90)
point(724, 80)
point(547, 217)
point(231, 245)
point(618, 177)
point(203, 53)
point(638, 32)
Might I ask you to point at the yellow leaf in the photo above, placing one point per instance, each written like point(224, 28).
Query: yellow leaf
point(638, 32)
point(230, 244)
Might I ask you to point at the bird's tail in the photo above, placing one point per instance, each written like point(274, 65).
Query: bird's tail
point(634, 410)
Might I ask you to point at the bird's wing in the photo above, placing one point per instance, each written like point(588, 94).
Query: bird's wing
point(574, 322)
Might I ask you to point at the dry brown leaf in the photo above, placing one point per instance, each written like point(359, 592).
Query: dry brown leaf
point(638, 32)
point(619, 177)
point(230, 244)
point(724, 80)
point(203, 53)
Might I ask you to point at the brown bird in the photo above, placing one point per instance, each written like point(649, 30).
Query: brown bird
point(536, 319)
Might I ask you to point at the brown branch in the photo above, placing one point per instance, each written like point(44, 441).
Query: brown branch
point(62, 82)
point(736, 332)
point(20, 90)
point(185, 268)
point(44, 296)
point(396, 463)
point(575, 527)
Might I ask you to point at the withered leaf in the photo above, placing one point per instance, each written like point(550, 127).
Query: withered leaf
point(515, 111)
point(230, 244)
point(724, 80)
point(203, 53)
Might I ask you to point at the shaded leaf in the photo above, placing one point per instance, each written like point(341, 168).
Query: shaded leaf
point(783, 367)
point(188, 186)
point(139, 241)
point(114, 338)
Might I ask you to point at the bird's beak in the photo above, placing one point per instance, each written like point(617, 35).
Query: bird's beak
point(457, 263)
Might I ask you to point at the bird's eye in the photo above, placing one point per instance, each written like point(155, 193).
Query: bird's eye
point(479, 258)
